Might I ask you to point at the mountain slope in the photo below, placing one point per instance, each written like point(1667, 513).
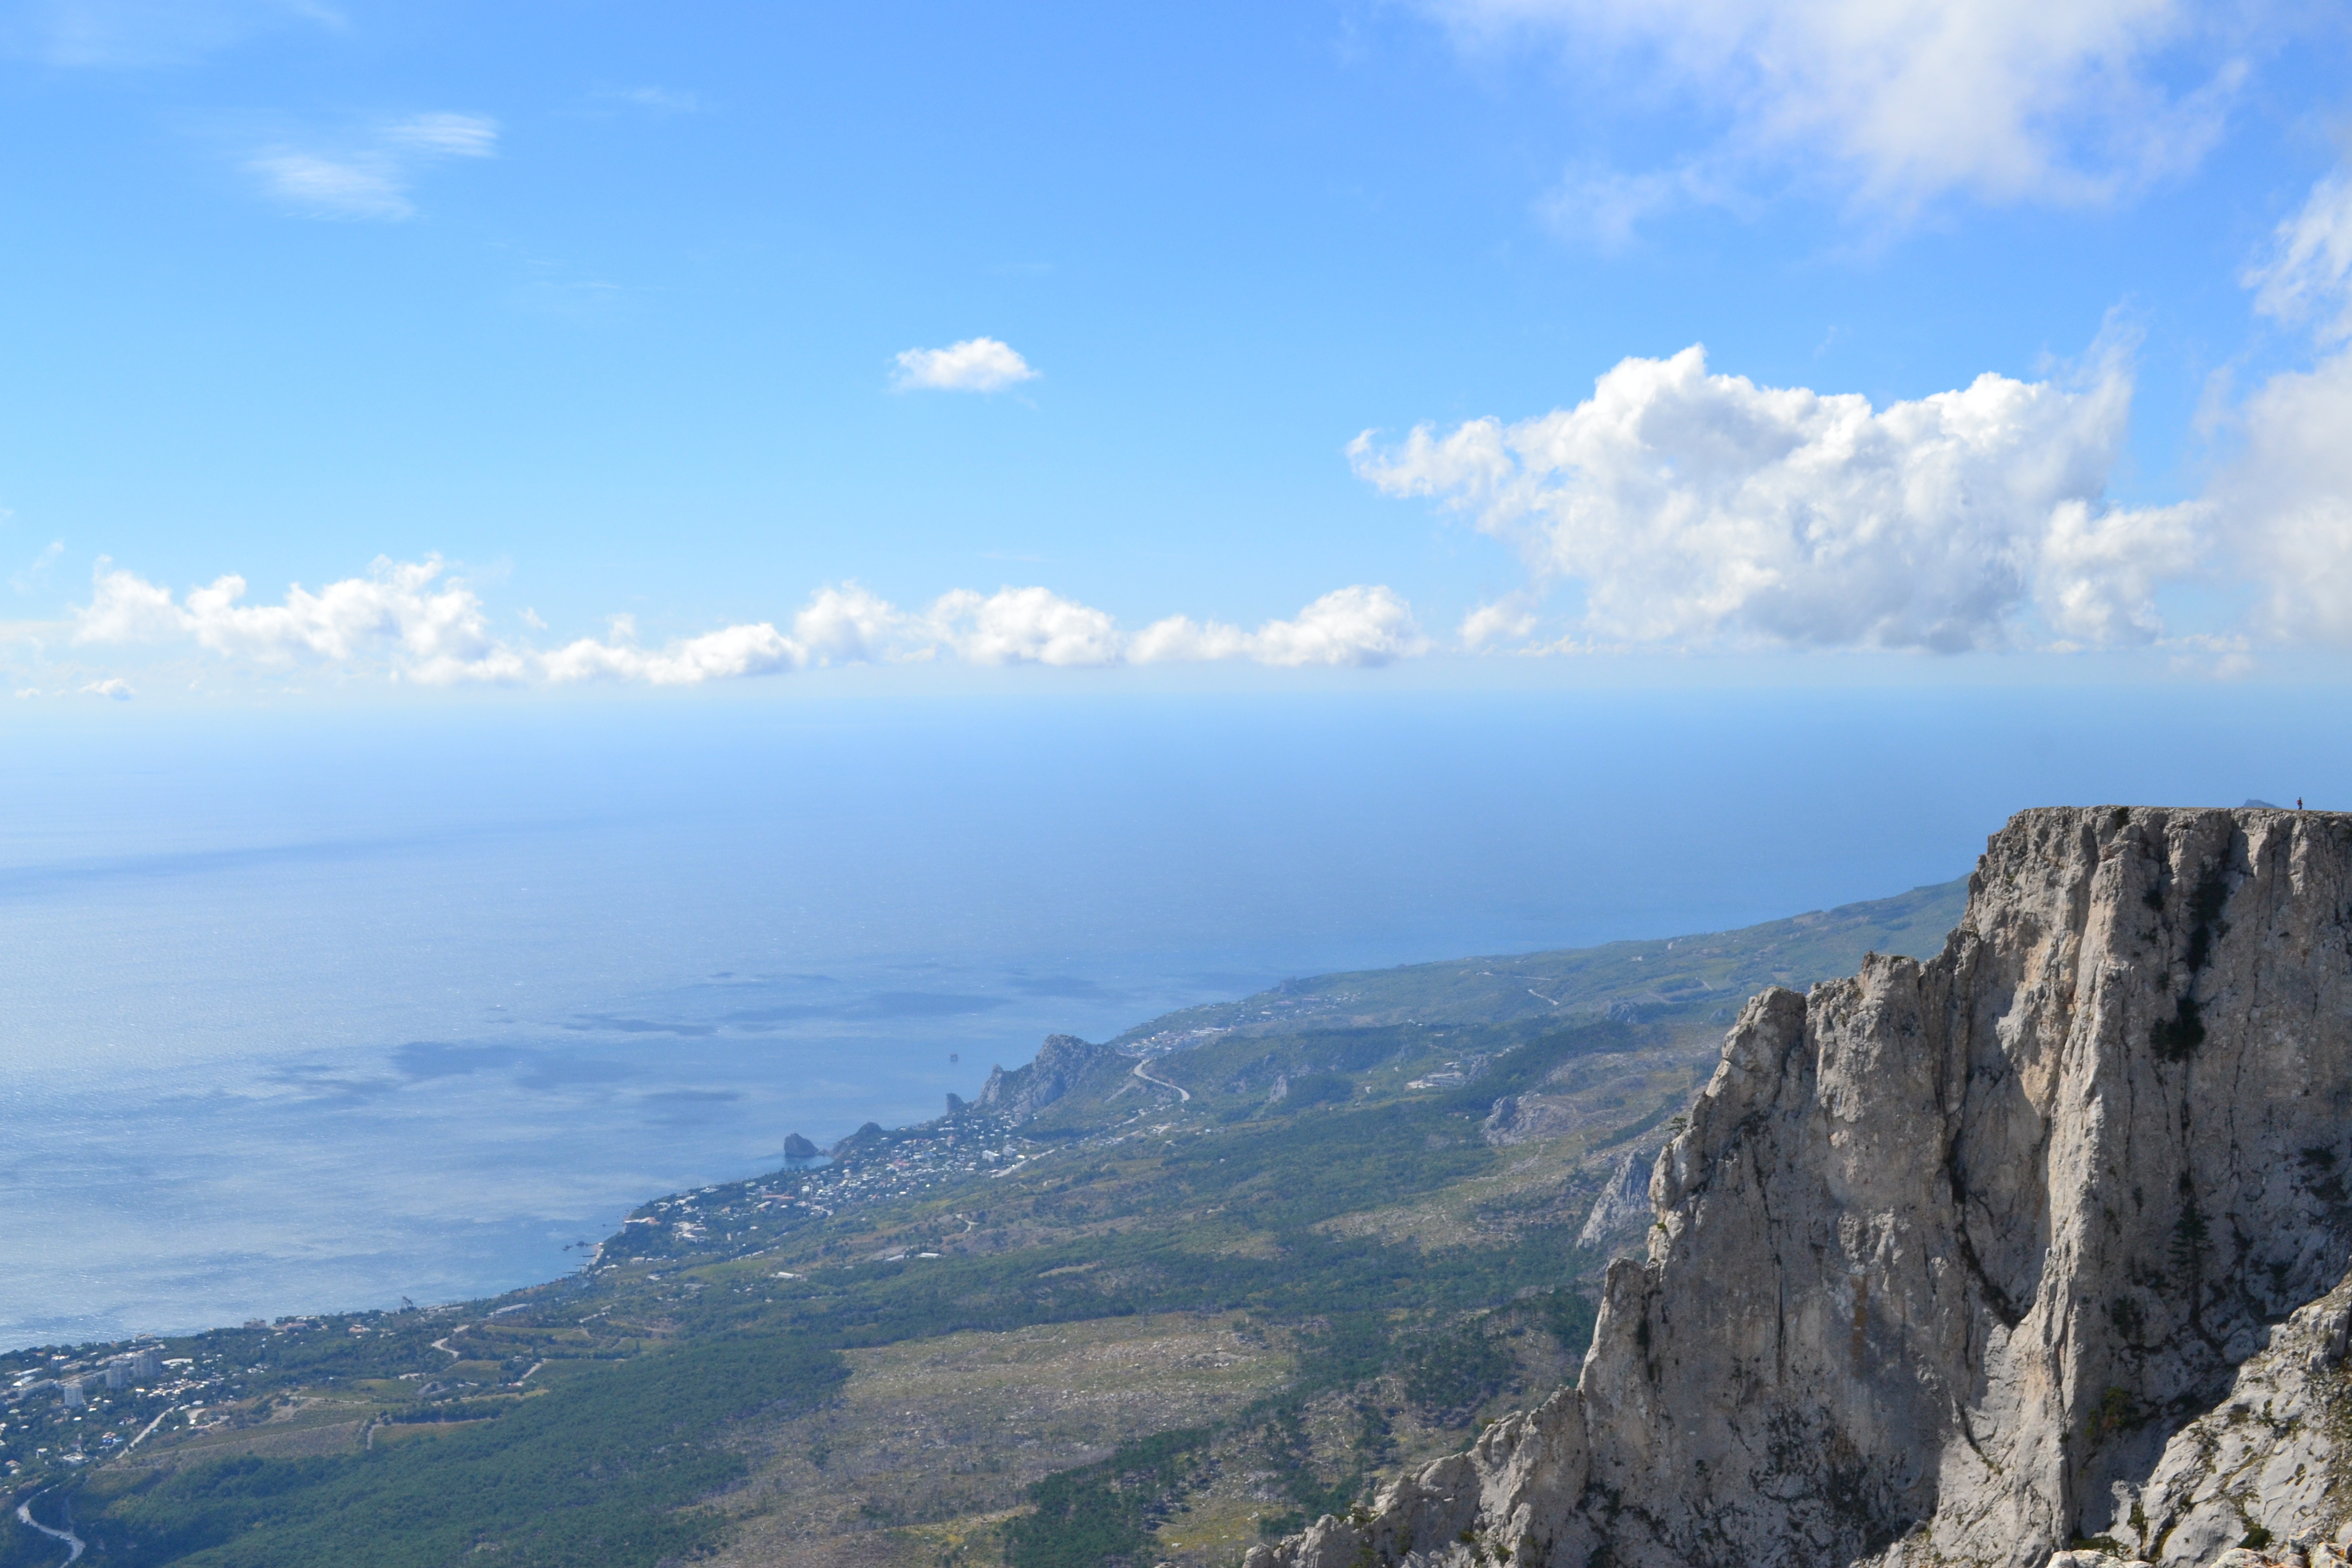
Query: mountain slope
point(1702, 977)
point(1962, 1262)
point(1145, 1305)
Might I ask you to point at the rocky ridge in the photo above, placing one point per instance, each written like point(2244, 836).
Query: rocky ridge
point(1020, 1094)
point(2038, 1247)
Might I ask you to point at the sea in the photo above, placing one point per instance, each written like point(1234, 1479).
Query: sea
point(325, 1005)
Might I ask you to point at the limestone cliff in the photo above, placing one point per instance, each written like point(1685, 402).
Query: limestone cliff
point(1025, 1091)
point(2042, 1240)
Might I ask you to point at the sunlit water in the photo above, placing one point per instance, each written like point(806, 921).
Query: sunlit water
point(305, 1012)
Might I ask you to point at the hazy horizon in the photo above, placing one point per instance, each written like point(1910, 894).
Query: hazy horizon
point(578, 595)
point(403, 1005)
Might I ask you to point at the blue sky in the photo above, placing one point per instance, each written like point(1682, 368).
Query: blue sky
point(600, 346)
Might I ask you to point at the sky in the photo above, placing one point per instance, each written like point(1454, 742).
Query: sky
point(355, 350)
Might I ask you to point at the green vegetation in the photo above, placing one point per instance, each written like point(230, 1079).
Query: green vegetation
point(2176, 1038)
point(1102, 1512)
point(592, 1473)
point(1451, 1373)
point(1326, 1262)
point(581, 1426)
point(1688, 978)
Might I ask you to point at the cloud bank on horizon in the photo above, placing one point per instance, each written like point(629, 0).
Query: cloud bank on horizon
point(1682, 506)
point(411, 621)
point(1683, 509)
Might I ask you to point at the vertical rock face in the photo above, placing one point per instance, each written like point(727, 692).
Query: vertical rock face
point(1026, 1091)
point(1623, 1201)
point(1963, 1261)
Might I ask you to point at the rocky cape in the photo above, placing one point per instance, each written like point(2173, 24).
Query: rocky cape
point(2038, 1245)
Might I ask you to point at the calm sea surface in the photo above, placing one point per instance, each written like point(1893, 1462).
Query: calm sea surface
point(306, 1010)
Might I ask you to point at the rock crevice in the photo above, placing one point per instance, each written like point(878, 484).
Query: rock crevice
point(1969, 1260)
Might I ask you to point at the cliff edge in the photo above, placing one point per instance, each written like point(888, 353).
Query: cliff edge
point(2042, 1243)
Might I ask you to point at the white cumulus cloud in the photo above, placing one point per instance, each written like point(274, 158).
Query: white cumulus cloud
point(1357, 625)
point(1695, 508)
point(845, 624)
point(1181, 639)
point(1025, 626)
point(2288, 499)
point(2046, 100)
point(1354, 625)
point(2286, 493)
point(1511, 618)
point(410, 621)
point(728, 654)
point(430, 631)
point(975, 364)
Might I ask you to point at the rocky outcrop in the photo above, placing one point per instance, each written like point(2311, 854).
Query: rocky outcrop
point(1624, 1200)
point(867, 1135)
point(1523, 1118)
point(1025, 1091)
point(2042, 1241)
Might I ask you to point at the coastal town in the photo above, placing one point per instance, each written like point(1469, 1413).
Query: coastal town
point(67, 1407)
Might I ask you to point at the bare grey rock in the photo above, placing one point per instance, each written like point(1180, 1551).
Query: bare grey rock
point(1960, 1263)
point(1522, 1118)
point(1026, 1091)
point(1623, 1206)
point(2274, 1454)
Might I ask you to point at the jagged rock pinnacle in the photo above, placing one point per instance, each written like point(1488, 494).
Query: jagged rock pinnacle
point(2042, 1241)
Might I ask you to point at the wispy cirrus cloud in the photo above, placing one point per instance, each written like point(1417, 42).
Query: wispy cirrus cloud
point(413, 621)
point(2287, 488)
point(1601, 207)
point(134, 34)
point(1894, 105)
point(975, 364)
point(34, 575)
point(2308, 271)
point(369, 176)
point(653, 100)
point(443, 135)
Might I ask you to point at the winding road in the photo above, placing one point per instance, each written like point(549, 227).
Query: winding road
point(25, 1516)
point(1183, 1092)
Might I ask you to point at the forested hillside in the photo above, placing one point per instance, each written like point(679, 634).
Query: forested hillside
point(1142, 1307)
